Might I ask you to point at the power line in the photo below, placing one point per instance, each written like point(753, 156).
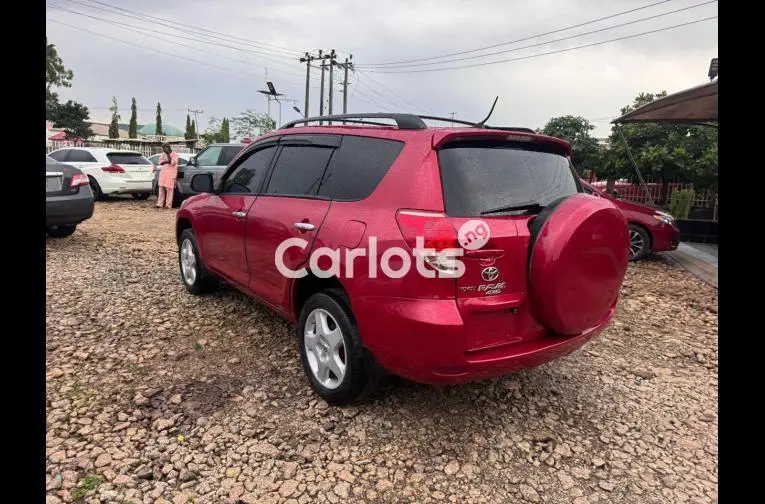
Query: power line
point(122, 10)
point(155, 50)
point(391, 92)
point(155, 33)
point(549, 52)
point(551, 41)
point(522, 39)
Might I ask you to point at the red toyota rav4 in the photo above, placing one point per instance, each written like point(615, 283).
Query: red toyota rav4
point(515, 265)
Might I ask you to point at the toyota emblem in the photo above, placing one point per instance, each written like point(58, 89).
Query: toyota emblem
point(490, 274)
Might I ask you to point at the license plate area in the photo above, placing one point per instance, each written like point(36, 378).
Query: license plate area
point(52, 184)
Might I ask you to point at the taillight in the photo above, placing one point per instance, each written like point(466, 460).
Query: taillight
point(79, 179)
point(113, 169)
point(432, 234)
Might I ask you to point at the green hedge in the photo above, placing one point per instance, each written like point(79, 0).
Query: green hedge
point(681, 202)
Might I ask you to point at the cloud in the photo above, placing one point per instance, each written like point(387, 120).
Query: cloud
point(594, 82)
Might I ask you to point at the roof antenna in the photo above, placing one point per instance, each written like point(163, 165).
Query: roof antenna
point(483, 123)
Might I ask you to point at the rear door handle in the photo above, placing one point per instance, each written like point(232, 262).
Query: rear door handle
point(305, 226)
point(239, 215)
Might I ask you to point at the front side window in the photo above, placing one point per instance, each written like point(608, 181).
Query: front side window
point(209, 156)
point(247, 177)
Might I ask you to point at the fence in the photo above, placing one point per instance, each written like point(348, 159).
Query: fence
point(146, 150)
point(705, 204)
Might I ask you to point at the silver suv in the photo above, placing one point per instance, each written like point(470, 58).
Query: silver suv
point(213, 159)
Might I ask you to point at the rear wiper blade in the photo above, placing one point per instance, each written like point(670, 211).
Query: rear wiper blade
point(524, 205)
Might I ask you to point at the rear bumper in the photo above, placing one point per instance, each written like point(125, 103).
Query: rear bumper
point(68, 210)
point(664, 238)
point(111, 184)
point(424, 340)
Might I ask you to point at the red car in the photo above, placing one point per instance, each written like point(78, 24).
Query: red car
point(437, 254)
point(651, 230)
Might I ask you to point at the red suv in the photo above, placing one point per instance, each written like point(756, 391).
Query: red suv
point(437, 254)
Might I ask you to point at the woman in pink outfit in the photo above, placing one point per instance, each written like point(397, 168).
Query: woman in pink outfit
point(168, 161)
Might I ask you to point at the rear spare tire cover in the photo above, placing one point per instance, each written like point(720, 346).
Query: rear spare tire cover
point(577, 262)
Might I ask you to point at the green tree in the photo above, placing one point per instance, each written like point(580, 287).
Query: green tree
point(114, 125)
point(252, 124)
point(585, 153)
point(667, 152)
point(194, 128)
point(188, 135)
point(73, 118)
point(133, 127)
point(213, 132)
point(225, 134)
point(158, 128)
point(56, 75)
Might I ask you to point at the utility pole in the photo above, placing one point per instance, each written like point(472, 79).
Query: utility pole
point(321, 92)
point(269, 98)
point(332, 57)
point(452, 114)
point(307, 60)
point(348, 64)
point(196, 119)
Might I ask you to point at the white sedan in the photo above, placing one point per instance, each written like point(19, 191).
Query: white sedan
point(110, 171)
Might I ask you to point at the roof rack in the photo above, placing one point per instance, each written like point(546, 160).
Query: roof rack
point(403, 121)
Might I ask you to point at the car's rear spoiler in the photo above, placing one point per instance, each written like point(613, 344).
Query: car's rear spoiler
point(441, 138)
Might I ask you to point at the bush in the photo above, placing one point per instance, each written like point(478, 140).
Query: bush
point(681, 202)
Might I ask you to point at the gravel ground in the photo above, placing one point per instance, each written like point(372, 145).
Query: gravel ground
point(155, 396)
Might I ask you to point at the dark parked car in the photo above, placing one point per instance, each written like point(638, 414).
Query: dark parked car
point(68, 198)
point(515, 265)
point(213, 159)
point(651, 230)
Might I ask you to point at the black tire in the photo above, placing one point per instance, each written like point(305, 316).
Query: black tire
point(640, 242)
point(361, 374)
point(203, 281)
point(141, 196)
point(61, 231)
point(96, 189)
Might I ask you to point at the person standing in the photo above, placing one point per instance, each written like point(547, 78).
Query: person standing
point(168, 163)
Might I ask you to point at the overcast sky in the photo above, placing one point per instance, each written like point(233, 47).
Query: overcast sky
point(229, 65)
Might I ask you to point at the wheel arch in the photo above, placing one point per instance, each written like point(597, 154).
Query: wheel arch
point(304, 288)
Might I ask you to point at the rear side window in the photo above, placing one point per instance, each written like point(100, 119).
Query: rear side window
point(80, 156)
point(59, 156)
point(358, 166)
point(246, 177)
point(298, 170)
point(480, 176)
point(127, 158)
point(228, 154)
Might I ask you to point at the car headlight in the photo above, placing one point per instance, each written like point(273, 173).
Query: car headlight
point(664, 217)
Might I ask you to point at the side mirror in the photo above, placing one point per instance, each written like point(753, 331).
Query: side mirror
point(202, 183)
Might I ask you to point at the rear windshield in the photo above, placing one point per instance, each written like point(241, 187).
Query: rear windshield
point(477, 177)
point(127, 158)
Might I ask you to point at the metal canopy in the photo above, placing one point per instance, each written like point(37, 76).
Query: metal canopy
point(694, 105)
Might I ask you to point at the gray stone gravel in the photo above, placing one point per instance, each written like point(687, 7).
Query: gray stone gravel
point(155, 396)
